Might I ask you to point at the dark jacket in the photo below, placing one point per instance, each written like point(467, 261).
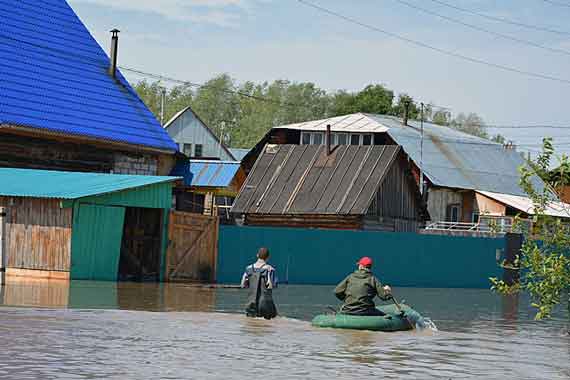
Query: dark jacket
point(358, 290)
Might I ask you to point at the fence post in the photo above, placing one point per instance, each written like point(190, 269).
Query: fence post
point(512, 250)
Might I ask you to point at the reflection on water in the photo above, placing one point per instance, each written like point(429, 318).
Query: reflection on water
point(87, 330)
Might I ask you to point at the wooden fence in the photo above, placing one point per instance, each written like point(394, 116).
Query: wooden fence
point(193, 247)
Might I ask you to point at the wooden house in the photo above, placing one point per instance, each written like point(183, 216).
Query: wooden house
point(339, 187)
point(195, 139)
point(84, 226)
point(452, 164)
point(65, 105)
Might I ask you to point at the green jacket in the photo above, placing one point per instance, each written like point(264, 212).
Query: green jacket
point(358, 290)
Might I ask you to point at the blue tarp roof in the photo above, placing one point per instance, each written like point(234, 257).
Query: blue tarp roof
point(54, 78)
point(454, 159)
point(207, 173)
point(69, 185)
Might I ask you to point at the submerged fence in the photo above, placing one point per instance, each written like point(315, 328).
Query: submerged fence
point(324, 257)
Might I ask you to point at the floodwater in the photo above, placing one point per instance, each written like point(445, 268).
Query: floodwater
point(90, 330)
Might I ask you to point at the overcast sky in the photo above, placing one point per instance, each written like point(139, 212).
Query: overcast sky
point(284, 39)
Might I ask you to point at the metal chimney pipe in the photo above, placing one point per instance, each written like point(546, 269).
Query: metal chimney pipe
point(328, 139)
point(114, 52)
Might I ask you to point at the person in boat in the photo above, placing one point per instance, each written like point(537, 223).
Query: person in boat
point(358, 290)
point(261, 279)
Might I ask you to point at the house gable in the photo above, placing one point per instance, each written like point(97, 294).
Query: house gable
point(189, 131)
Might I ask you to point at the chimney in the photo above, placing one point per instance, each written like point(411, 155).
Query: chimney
point(406, 111)
point(114, 52)
point(328, 139)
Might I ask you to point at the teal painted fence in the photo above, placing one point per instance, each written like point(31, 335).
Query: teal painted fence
point(324, 257)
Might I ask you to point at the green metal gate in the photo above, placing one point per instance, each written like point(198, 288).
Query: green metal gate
point(96, 242)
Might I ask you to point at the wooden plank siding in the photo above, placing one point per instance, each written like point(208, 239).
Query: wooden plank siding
point(396, 206)
point(38, 234)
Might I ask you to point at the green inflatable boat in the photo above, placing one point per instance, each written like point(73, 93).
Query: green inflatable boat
point(395, 320)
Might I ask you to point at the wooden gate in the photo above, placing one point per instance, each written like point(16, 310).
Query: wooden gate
point(192, 248)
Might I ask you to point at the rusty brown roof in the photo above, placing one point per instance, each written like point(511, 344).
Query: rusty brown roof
point(302, 179)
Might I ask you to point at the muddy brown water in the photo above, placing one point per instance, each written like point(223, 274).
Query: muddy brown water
point(90, 330)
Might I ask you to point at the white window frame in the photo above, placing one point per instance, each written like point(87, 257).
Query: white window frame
point(371, 138)
point(359, 138)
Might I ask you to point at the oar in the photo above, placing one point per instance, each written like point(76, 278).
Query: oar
point(402, 313)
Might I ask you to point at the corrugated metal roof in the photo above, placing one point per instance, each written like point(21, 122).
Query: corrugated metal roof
point(54, 78)
point(450, 158)
point(69, 185)
point(302, 179)
point(207, 173)
point(357, 122)
point(526, 205)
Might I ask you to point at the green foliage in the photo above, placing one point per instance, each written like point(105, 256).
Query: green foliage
point(236, 114)
point(544, 260)
point(471, 123)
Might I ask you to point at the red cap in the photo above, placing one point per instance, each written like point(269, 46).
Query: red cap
point(366, 261)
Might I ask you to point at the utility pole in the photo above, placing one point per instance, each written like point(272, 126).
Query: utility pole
point(222, 126)
point(422, 150)
point(162, 101)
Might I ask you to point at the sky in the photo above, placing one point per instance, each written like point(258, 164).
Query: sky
point(265, 40)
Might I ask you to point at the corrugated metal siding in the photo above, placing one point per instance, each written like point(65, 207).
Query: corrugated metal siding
point(96, 242)
point(38, 234)
point(293, 179)
point(55, 78)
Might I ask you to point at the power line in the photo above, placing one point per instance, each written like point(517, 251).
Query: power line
point(484, 30)
point(501, 19)
point(100, 63)
point(434, 48)
point(557, 3)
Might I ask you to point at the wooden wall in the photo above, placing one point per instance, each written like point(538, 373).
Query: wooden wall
point(338, 222)
point(35, 153)
point(489, 206)
point(397, 206)
point(438, 201)
point(38, 234)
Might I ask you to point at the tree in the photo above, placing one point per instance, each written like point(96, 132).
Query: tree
point(176, 98)
point(471, 124)
point(399, 108)
point(544, 261)
point(498, 138)
point(441, 118)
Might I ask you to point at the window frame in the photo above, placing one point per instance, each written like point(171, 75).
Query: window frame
point(198, 147)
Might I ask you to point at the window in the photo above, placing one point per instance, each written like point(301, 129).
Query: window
point(354, 139)
point(317, 138)
point(366, 139)
point(305, 138)
point(198, 150)
point(187, 150)
point(453, 213)
point(341, 138)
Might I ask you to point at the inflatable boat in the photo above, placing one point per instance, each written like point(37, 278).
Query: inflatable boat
point(394, 319)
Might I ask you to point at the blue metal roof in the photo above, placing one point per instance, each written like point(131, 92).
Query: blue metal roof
point(207, 173)
point(69, 185)
point(54, 78)
point(454, 159)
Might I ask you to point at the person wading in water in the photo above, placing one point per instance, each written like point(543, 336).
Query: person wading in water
point(357, 291)
point(260, 278)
